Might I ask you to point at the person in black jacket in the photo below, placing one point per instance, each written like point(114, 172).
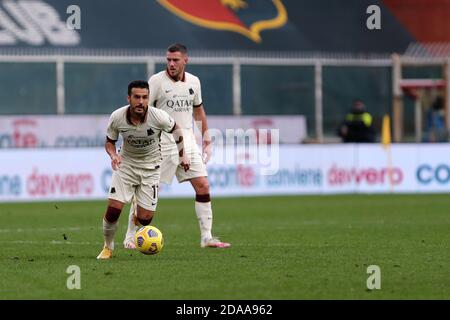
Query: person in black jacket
point(357, 125)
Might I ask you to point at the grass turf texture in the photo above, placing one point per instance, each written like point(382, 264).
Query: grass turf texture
point(308, 247)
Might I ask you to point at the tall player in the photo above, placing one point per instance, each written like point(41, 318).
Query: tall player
point(179, 94)
point(136, 170)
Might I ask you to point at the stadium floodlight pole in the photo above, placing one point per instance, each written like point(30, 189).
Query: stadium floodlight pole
point(60, 90)
point(318, 100)
point(237, 110)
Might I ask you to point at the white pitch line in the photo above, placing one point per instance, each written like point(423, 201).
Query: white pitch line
point(19, 230)
point(51, 242)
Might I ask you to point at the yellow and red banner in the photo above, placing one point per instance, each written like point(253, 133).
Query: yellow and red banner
point(224, 15)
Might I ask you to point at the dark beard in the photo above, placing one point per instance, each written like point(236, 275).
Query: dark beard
point(141, 117)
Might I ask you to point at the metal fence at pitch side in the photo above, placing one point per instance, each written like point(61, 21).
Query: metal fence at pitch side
point(320, 88)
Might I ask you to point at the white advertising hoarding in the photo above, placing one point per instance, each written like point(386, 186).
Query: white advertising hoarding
point(61, 174)
point(433, 168)
point(85, 173)
point(52, 131)
point(71, 131)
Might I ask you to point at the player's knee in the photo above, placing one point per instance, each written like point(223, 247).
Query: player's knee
point(203, 187)
point(144, 222)
point(112, 214)
point(144, 216)
point(115, 204)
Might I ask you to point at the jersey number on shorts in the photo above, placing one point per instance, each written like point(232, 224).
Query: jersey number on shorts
point(155, 191)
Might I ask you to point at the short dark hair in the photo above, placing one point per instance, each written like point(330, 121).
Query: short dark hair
point(177, 47)
point(137, 84)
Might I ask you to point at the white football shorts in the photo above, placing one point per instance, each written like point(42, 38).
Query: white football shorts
point(128, 181)
point(171, 167)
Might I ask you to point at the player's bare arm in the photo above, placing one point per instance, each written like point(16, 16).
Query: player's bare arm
point(200, 119)
point(179, 140)
point(116, 159)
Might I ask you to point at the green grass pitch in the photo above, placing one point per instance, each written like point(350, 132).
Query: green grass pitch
point(306, 247)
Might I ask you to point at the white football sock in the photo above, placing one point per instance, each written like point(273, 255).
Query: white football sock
point(132, 227)
point(204, 215)
point(109, 231)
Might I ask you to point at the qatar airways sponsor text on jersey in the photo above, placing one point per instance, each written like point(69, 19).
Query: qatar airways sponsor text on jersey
point(177, 98)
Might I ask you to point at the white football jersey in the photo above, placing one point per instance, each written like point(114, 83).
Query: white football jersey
point(177, 98)
point(141, 143)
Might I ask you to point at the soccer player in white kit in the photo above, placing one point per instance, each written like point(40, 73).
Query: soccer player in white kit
point(179, 94)
point(136, 169)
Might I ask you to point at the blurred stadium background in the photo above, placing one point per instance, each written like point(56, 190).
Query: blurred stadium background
point(290, 65)
point(295, 66)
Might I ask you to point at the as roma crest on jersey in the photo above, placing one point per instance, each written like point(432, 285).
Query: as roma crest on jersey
point(247, 17)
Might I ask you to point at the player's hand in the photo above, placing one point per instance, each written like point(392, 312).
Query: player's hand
point(116, 161)
point(185, 163)
point(207, 151)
